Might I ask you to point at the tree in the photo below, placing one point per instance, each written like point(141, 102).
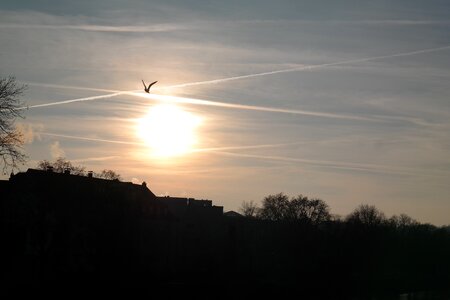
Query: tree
point(108, 174)
point(11, 139)
point(367, 215)
point(402, 221)
point(312, 211)
point(249, 209)
point(298, 209)
point(60, 165)
point(275, 207)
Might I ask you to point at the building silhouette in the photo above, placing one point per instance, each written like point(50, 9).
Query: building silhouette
point(134, 198)
point(59, 224)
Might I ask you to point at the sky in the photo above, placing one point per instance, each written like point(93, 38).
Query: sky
point(346, 101)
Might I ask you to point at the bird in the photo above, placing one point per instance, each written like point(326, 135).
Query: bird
point(147, 88)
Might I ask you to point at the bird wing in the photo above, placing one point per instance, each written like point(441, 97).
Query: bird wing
point(145, 87)
point(152, 84)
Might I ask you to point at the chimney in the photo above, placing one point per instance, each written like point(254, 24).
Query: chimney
point(90, 174)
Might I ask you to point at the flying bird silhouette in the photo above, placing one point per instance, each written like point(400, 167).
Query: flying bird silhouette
point(147, 88)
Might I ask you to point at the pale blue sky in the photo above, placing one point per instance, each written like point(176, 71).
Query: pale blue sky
point(373, 131)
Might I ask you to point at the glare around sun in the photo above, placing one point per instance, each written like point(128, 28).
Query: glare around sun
point(168, 130)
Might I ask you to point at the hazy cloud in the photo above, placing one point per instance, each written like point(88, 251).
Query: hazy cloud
point(136, 180)
point(56, 151)
point(30, 132)
point(88, 159)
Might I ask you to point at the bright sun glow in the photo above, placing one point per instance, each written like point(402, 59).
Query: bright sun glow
point(168, 130)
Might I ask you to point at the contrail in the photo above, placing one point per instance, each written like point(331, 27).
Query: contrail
point(311, 67)
point(184, 100)
point(215, 81)
point(74, 100)
point(71, 87)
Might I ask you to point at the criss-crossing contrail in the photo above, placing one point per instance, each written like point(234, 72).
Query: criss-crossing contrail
point(194, 101)
point(221, 80)
point(174, 99)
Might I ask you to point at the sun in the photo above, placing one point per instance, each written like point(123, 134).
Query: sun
point(168, 130)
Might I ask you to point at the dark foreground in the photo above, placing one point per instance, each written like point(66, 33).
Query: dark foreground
point(112, 239)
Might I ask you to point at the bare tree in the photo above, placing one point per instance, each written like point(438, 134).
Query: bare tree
point(249, 209)
point(312, 211)
point(367, 215)
point(275, 207)
point(108, 174)
point(60, 165)
point(11, 139)
point(401, 221)
point(297, 209)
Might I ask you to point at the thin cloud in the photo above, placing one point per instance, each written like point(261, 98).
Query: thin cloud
point(361, 167)
point(340, 165)
point(373, 168)
point(398, 22)
point(388, 22)
point(90, 139)
point(99, 28)
point(193, 150)
point(100, 158)
point(247, 147)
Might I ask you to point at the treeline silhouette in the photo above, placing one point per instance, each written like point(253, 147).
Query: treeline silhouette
point(297, 242)
point(80, 236)
point(61, 165)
